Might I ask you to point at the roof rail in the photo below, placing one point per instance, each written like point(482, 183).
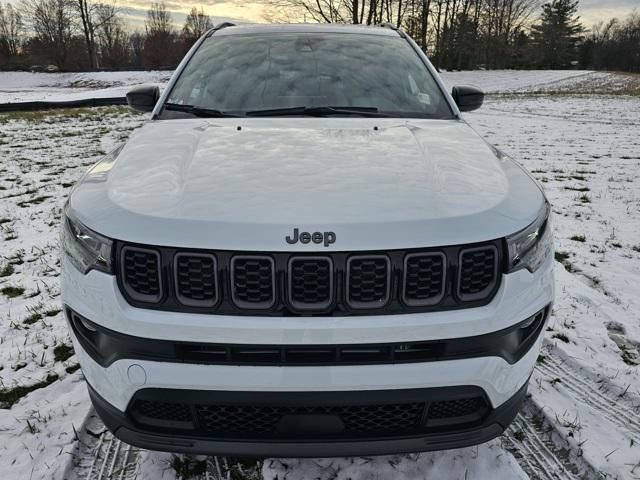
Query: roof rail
point(393, 27)
point(220, 27)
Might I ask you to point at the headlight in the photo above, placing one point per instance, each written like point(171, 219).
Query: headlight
point(530, 247)
point(86, 249)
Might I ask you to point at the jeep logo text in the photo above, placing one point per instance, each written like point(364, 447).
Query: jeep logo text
point(316, 237)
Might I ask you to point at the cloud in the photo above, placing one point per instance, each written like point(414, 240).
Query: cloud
point(594, 11)
point(219, 10)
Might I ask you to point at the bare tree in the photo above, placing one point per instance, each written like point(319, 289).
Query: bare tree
point(159, 45)
point(339, 11)
point(196, 24)
point(52, 24)
point(92, 16)
point(158, 20)
point(112, 39)
point(136, 41)
point(11, 30)
point(501, 20)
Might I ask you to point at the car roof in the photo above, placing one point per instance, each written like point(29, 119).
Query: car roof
point(257, 28)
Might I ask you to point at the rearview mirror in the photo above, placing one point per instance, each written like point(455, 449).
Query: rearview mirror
point(143, 98)
point(467, 98)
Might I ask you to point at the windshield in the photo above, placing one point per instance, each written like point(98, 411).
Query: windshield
point(354, 74)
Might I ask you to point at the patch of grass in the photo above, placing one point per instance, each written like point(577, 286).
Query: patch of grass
point(4, 220)
point(187, 467)
point(70, 133)
point(519, 435)
point(72, 368)
point(577, 189)
point(636, 248)
point(32, 428)
point(9, 396)
point(52, 313)
point(11, 291)
point(584, 198)
point(33, 318)
point(18, 258)
point(578, 238)
point(541, 358)
point(19, 366)
point(561, 336)
point(7, 270)
point(62, 352)
point(561, 256)
point(629, 357)
point(34, 201)
point(57, 115)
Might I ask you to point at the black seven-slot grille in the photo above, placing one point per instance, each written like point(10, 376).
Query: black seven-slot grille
point(282, 284)
point(285, 421)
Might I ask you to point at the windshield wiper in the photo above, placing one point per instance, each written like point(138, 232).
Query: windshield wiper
point(197, 111)
point(317, 111)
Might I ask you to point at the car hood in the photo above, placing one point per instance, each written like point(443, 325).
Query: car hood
point(245, 184)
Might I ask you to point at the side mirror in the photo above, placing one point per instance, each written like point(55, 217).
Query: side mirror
point(467, 98)
point(143, 98)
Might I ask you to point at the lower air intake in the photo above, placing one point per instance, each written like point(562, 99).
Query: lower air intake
point(277, 420)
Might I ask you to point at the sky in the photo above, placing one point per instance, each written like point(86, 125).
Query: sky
point(592, 11)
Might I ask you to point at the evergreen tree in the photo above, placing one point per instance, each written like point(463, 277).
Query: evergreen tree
point(556, 37)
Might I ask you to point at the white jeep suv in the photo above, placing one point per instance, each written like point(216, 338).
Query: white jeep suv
point(306, 252)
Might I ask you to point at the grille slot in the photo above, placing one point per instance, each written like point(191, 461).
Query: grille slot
point(368, 281)
point(310, 282)
point(253, 282)
point(141, 274)
point(478, 272)
point(462, 410)
point(424, 278)
point(196, 279)
point(176, 415)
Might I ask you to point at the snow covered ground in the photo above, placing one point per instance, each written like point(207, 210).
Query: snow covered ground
point(582, 419)
point(28, 86)
point(546, 81)
point(31, 86)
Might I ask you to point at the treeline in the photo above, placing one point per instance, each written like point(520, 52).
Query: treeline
point(457, 34)
point(83, 35)
point(468, 34)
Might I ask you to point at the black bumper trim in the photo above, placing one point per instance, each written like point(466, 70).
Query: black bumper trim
point(106, 346)
point(492, 426)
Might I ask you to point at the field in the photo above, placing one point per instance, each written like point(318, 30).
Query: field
point(576, 132)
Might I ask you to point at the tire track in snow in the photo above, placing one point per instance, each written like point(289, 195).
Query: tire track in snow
point(529, 441)
point(101, 456)
point(587, 392)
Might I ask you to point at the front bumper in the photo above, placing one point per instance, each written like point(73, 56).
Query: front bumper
point(115, 386)
point(313, 443)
